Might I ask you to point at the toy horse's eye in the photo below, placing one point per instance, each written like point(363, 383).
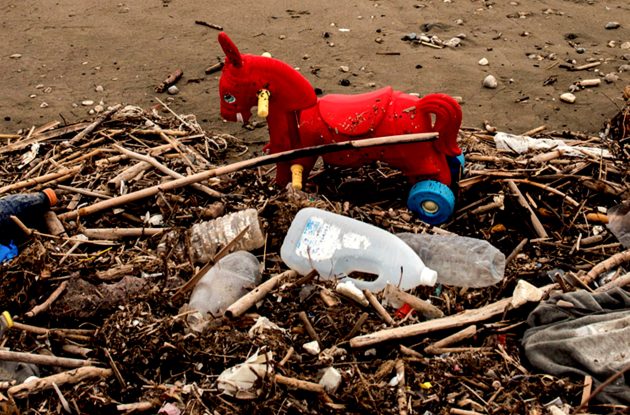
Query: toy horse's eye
point(229, 98)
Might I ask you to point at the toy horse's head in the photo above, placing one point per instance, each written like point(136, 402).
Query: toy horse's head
point(245, 75)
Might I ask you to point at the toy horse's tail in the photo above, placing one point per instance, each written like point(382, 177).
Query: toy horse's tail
point(448, 120)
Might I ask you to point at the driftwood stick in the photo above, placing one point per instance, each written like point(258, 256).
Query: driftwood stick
point(41, 359)
point(120, 233)
point(137, 406)
point(37, 138)
point(42, 330)
point(549, 189)
point(152, 161)
point(397, 297)
point(607, 265)
point(380, 310)
point(92, 126)
point(128, 174)
point(248, 300)
point(453, 338)
point(457, 320)
point(71, 377)
point(41, 179)
point(46, 304)
point(457, 411)
point(535, 130)
point(245, 164)
point(84, 192)
point(538, 227)
point(516, 251)
point(299, 384)
point(401, 390)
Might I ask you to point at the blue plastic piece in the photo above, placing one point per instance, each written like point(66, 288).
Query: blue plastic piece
point(456, 165)
point(7, 253)
point(433, 201)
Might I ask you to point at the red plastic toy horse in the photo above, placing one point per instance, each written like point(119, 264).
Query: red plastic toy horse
point(297, 118)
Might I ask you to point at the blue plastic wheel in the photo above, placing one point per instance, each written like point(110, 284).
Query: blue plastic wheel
point(456, 165)
point(433, 201)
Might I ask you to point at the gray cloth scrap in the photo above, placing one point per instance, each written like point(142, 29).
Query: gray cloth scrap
point(590, 338)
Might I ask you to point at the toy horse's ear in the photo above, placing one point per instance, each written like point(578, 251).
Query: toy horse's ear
point(230, 50)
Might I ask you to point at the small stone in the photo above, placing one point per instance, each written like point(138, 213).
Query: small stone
point(312, 347)
point(344, 82)
point(43, 105)
point(344, 68)
point(32, 96)
point(173, 90)
point(567, 97)
point(410, 36)
point(306, 56)
point(99, 88)
point(282, 37)
point(15, 56)
point(459, 22)
point(99, 108)
point(87, 102)
point(39, 86)
point(625, 45)
point(612, 25)
point(91, 112)
point(460, 100)
point(490, 82)
point(612, 44)
point(371, 84)
point(483, 62)
point(47, 90)
point(379, 40)
point(331, 44)
point(611, 77)
point(331, 379)
point(580, 50)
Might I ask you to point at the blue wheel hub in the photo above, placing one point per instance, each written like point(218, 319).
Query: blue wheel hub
point(433, 201)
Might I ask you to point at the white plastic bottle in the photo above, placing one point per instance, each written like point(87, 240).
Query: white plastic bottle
point(227, 281)
point(459, 260)
point(207, 237)
point(336, 246)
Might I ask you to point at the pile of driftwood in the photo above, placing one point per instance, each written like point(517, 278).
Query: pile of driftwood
point(97, 291)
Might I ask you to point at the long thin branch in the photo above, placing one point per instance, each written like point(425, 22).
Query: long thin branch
point(247, 164)
point(72, 376)
point(41, 359)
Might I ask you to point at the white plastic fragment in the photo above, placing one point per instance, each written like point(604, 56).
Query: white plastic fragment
point(331, 379)
point(239, 381)
point(525, 292)
point(263, 324)
point(523, 143)
point(312, 347)
point(348, 289)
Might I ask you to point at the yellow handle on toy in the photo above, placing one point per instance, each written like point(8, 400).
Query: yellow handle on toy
point(263, 103)
point(296, 178)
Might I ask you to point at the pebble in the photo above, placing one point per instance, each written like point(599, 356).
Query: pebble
point(453, 43)
point(15, 56)
point(410, 36)
point(99, 88)
point(39, 86)
point(611, 77)
point(43, 105)
point(371, 84)
point(580, 50)
point(625, 45)
point(459, 22)
point(87, 102)
point(567, 97)
point(282, 37)
point(490, 82)
point(32, 96)
point(344, 82)
point(99, 108)
point(612, 25)
point(624, 68)
point(173, 90)
point(48, 90)
point(379, 40)
point(344, 68)
point(483, 62)
point(612, 44)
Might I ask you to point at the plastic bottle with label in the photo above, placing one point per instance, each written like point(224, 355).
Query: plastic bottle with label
point(26, 206)
point(207, 237)
point(337, 245)
point(227, 281)
point(459, 260)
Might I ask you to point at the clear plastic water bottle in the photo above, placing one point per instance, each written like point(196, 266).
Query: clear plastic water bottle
point(336, 246)
point(459, 260)
point(207, 237)
point(227, 281)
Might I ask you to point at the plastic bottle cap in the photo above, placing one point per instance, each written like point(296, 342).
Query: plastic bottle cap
point(428, 277)
point(52, 196)
point(8, 318)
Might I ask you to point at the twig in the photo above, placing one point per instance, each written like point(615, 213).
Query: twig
point(120, 233)
point(245, 164)
point(92, 126)
point(357, 326)
point(379, 308)
point(401, 389)
point(84, 192)
point(601, 387)
point(397, 298)
point(46, 304)
point(549, 189)
point(309, 328)
point(453, 338)
point(166, 170)
point(137, 406)
point(535, 130)
point(41, 359)
point(457, 320)
point(299, 384)
point(41, 179)
point(72, 377)
point(538, 227)
point(171, 79)
point(248, 300)
point(516, 251)
point(37, 138)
